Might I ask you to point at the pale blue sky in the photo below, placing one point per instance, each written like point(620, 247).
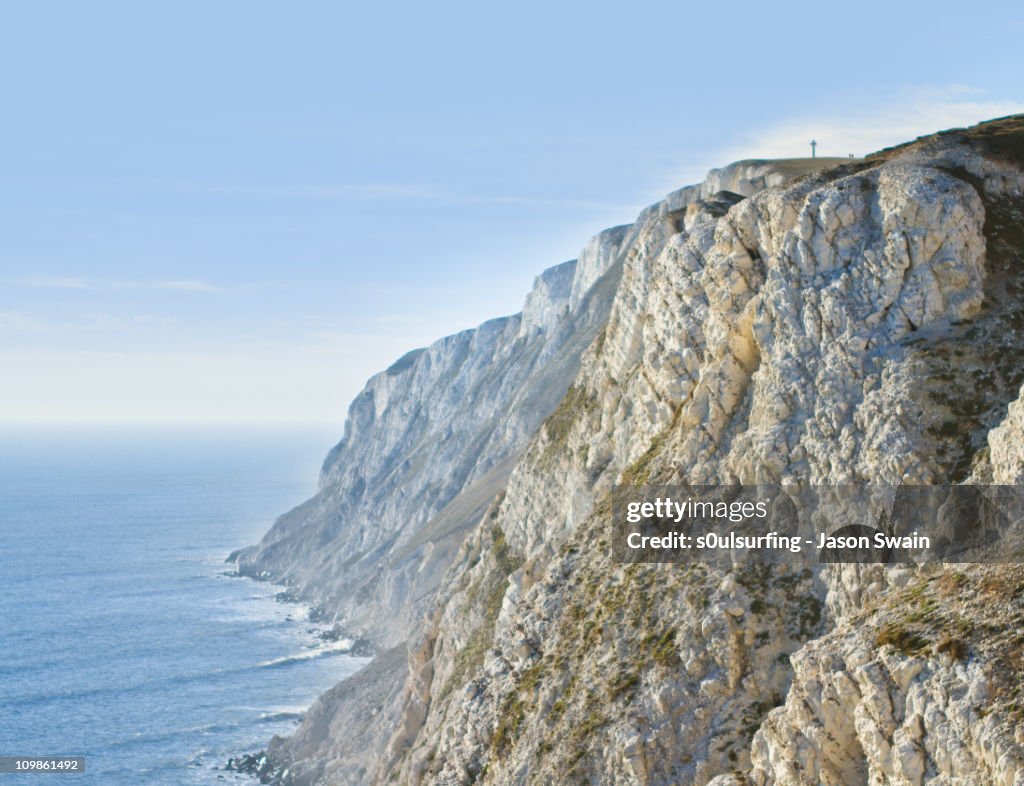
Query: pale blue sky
point(238, 210)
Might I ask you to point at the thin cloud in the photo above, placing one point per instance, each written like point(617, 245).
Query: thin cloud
point(861, 131)
point(326, 191)
point(53, 282)
point(402, 192)
point(569, 203)
point(81, 284)
point(186, 285)
point(19, 322)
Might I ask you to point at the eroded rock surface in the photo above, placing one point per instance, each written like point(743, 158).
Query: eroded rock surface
point(858, 324)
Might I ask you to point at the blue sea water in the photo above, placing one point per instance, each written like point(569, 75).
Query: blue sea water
point(121, 637)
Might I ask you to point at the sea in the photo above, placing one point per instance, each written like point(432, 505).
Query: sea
point(124, 636)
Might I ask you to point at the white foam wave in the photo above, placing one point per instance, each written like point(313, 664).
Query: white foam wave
point(281, 715)
point(330, 648)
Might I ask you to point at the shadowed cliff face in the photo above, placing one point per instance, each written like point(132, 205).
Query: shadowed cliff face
point(859, 324)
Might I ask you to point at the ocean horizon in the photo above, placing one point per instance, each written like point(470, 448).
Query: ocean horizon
point(125, 638)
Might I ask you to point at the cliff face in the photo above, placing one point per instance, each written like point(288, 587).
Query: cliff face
point(427, 445)
point(431, 440)
point(858, 324)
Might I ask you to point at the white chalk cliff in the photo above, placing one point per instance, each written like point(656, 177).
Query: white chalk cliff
point(427, 445)
point(795, 321)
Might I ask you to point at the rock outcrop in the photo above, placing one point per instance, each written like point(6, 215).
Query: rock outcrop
point(779, 323)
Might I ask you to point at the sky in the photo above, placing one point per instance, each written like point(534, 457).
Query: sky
point(233, 212)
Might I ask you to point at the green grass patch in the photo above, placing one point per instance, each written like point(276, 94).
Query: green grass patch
point(901, 639)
